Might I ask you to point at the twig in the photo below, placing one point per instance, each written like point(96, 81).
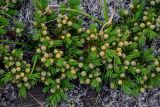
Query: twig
point(110, 20)
point(50, 21)
point(80, 12)
point(11, 42)
point(40, 103)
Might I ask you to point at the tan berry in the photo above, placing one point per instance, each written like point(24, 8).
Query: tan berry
point(17, 76)
point(35, 23)
point(101, 33)
point(73, 72)
point(150, 87)
point(141, 82)
point(49, 74)
point(64, 21)
point(145, 78)
point(59, 25)
point(13, 70)
point(133, 63)
point(103, 47)
point(65, 17)
point(26, 84)
point(46, 82)
point(60, 16)
point(138, 70)
point(105, 36)
point(110, 60)
point(80, 65)
point(43, 73)
point(79, 30)
point(42, 39)
point(152, 27)
point(107, 45)
point(142, 90)
point(104, 61)
point(44, 32)
point(87, 81)
point(59, 20)
point(92, 36)
point(135, 38)
point(112, 85)
point(93, 48)
point(152, 3)
point(102, 53)
point(25, 79)
point(145, 13)
point(43, 48)
point(157, 69)
point(88, 31)
point(18, 30)
point(58, 81)
point(42, 25)
point(38, 50)
point(145, 18)
point(130, 43)
point(120, 44)
point(27, 70)
point(22, 74)
point(156, 63)
point(119, 54)
point(131, 6)
point(126, 43)
point(67, 66)
point(126, 62)
point(120, 82)
point(110, 66)
point(142, 25)
point(18, 69)
point(43, 60)
point(125, 67)
point(14, 1)
point(58, 87)
point(122, 75)
point(81, 81)
point(126, 12)
point(119, 35)
point(68, 35)
point(42, 78)
point(149, 23)
point(46, 55)
point(10, 58)
point(153, 75)
point(98, 79)
point(51, 61)
point(52, 90)
point(90, 75)
point(96, 74)
point(69, 23)
point(119, 49)
point(63, 75)
point(19, 85)
point(118, 31)
point(63, 37)
point(91, 66)
point(83, 73)
point(58, 55)
point(47, 38)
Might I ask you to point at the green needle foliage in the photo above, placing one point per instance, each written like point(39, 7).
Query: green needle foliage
point(65, 51)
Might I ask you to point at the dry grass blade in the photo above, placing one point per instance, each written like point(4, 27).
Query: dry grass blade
point(109, 21)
